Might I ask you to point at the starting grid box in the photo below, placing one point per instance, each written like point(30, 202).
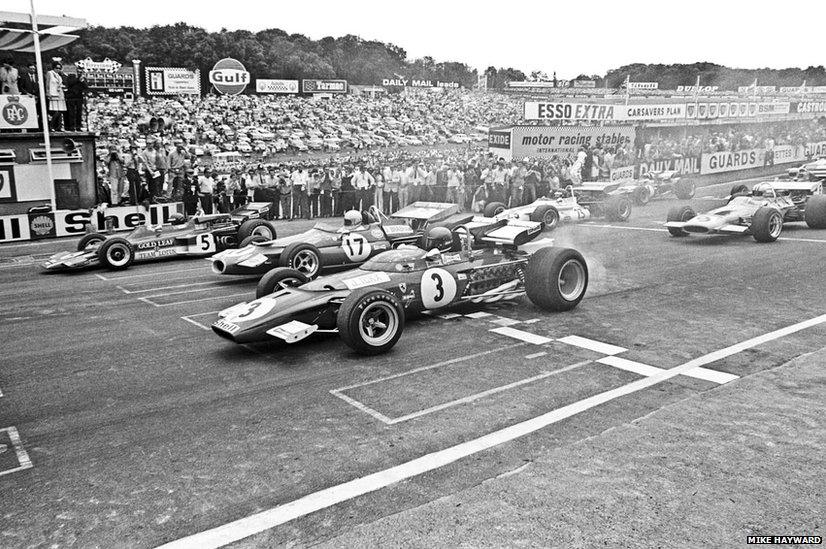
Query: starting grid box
point(13, 457)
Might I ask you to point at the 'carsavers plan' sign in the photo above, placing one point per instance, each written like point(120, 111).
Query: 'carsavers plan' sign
point(544, 110)
point(324, 86)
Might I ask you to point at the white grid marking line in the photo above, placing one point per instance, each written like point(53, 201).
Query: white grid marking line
point(22, 456)
point(480, 314)
point(195, 322)
point(428, 367)
point(626, 227)
point(363, 407)
point(328, 497)
point(630, 366)
point(522, 336)
point(714, 376)
point(592, 345)
point(477, 396)
point(536, 355)
point(148, 299)
point(504, 321)
point(156, 273)
point(124, 290)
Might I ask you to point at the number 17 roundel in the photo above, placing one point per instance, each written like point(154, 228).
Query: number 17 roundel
point(438, 288)
point(356, 247)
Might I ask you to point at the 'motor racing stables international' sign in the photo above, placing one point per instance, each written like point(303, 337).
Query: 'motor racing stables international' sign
point(276, 86)
point(720, 162)
point(172, 81)
point(17, 112)
point(229, 76)
point(563, 141)
point(542, 110)
point(324, 86)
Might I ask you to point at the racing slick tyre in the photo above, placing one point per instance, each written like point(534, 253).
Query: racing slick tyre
point(738, 190)
point(617, 208)
point(642, 195)
point(370, 321)
point(252, 238)
point(116, 253)
point(680, 214)
point(304, 258)
point(260, 227)
point(273, 280)
point(766, 224)
point(556, 278)
point(493, 209)
point(91, 239)
point(815, 215)
point(547, 215)
point(685, 189)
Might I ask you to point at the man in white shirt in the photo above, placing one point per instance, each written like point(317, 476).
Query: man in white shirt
point(363, 182)
point(299, 180)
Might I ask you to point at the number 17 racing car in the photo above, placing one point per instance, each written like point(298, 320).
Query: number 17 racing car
point(368, 306)
point(199, 237)
point(327, 247)
point(760, 213)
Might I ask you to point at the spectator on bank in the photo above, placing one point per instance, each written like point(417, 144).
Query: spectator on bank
point(55, 96)
point(116, 176)
point(178, 162)
point(300, 183)
point(391, 190)
point(206, 187)
point(150, 161)
point(285, 193)
point(364, 183)
point(9, 77)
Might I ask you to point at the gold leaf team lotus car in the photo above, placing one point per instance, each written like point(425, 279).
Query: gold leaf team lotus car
point(760, 212)
point(367, 306)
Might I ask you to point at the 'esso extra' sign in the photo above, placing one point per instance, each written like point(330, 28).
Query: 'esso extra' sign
point(229, 76)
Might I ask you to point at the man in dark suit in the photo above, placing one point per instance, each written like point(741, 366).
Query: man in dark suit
point(27, 80)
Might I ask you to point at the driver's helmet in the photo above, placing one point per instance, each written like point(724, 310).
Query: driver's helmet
point(177, 219)
point(352, 218)
point(440, 238)
point(762, 189)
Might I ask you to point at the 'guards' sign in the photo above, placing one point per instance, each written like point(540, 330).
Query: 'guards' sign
point(229, 76)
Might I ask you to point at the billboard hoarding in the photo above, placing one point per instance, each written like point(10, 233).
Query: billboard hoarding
point(323, 86)
point(172, 81)
point(276, 86)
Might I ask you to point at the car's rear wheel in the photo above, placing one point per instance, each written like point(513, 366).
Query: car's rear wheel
point(90, 240)
point(617, 208)
point(815, 215)
point(679, 214)
point(116, 253)
point(251, 239)
point(766, 224)
point(493, 209)
point(280, 276)
point(556, 278)
point(304, 258)
point(685, 189)
point(370, 321)
point(547, 215)
point(256, 227)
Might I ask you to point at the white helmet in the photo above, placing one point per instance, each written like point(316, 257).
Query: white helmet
point(352, 218)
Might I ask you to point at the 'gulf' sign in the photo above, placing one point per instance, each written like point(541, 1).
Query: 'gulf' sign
point(229, 76)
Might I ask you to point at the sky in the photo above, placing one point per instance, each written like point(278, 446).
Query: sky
point(570, 37)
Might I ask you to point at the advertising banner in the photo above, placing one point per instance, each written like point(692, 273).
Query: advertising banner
point(809, 107)
point(8, 189)
point(688, 165)
point(756, 89)
point(785, 154)
point(499, 139)
point(720, 162)
point(632, 86)
point(414, 83)
point(547, 141)
point(229, 76)
point(803, 89)
point(172, 81)
point(584, 83)
point(626, 172)
point(815, 150)
point(17, 112)
point(276, 86)
point(697, 89)
point(545, 110)
point(324, 86)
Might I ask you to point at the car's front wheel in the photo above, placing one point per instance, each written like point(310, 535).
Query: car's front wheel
point(547, 215)
point(680, 214)
point(370, 321)
point(815, 214)
point(493, 209)
point(766, 224)
point(256, 227)
point(273, 280)
point(90, 240)
point(116, 253)
point(305, 258)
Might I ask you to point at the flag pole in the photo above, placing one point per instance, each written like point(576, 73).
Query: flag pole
point(43, 107)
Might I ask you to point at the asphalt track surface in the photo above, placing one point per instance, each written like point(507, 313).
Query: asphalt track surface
point(124, 422)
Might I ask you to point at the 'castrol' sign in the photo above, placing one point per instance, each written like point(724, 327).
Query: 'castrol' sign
point(229, 76)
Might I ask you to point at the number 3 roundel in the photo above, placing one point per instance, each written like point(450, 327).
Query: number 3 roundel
point(438, 288)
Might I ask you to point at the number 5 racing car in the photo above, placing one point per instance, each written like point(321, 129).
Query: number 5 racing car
point(327, 247)
point(760, 213)
point(367, 307)
point(199, 237)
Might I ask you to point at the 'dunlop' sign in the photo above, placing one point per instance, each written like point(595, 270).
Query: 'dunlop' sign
point(229, 76)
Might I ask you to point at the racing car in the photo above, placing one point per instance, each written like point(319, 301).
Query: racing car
point(760, 212)
point(657, 184)
point(810, 171)
point(367, 307)
point(328, 247)
point(199, 236)
point(573, 205)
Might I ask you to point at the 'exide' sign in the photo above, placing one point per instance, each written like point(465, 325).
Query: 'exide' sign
point(324, 86)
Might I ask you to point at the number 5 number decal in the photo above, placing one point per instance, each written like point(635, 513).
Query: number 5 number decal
point(356, 247)
point(438, 288)
point(205, 243)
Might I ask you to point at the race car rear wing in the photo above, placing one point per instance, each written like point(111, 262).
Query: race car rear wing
point(427, 211)
point(811, 187)
point(505, 232)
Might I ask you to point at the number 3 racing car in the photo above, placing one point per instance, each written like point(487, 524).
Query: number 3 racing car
point(573, 205)
point(199, 237)
point(367, 306)
point(326, 247)
point(760, 213)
